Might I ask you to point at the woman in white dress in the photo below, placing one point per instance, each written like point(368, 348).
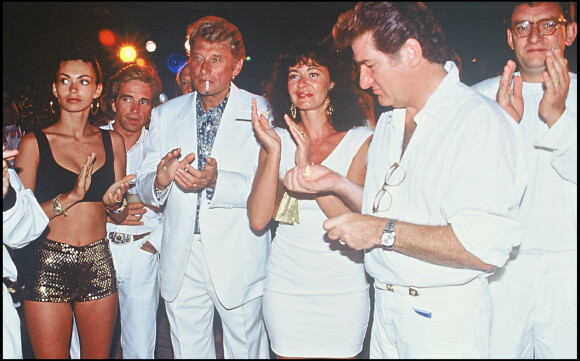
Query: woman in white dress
point(316, 302)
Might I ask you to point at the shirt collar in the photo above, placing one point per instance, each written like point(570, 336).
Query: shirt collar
point(439, 99)
point(139, 141)
point(221, 106)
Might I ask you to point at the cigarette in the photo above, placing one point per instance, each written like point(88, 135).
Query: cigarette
point(207, 86)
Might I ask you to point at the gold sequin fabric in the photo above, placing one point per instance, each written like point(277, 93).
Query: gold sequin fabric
point(59, 272)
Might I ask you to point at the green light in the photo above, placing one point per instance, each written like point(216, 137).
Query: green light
point(248, 58)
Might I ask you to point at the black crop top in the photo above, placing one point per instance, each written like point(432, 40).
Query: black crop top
point(52, 179)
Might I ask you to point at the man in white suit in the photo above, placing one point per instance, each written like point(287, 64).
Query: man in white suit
point(209, 254)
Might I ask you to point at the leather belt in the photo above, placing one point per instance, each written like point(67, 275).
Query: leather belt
point(124, 238)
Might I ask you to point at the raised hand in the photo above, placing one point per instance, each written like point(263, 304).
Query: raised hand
point(84, 178)
point(167, 167)
point(114, 195)
point(557, 82)
point(194, 179)
point(302, 141)
point(264, 132)
point(509, 99)
point(311, 179)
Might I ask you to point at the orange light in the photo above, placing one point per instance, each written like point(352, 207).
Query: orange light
point(127, 54)
point(106, 37)
point(140, 62)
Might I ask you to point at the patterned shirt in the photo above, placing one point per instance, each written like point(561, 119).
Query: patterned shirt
point(207, 126)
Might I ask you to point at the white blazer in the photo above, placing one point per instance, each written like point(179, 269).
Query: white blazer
point(236, 255)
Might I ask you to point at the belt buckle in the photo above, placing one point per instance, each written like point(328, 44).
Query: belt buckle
point(120, 238)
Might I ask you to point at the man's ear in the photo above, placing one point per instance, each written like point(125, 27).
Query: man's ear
point(510, 38)
point(113, 106)
point(238, 67)
point(411, 52)
point(571, 32)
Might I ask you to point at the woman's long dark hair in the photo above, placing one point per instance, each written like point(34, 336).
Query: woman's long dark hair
point(347, 114)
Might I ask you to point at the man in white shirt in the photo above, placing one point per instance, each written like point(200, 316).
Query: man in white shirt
point(445, 175)
point(200, 161)
point(23, 220)
point(130, 96)
point(535, 295)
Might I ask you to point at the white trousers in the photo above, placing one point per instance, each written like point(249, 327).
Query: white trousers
point(191, 318)
point(440, 322)
point(11, 341)
point(138, 284)
point(536, 307)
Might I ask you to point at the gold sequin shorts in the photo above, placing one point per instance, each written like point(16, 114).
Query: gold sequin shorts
point(59, 272)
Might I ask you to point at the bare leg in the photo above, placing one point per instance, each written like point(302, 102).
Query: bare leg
point(49, 327)
point(96, 323)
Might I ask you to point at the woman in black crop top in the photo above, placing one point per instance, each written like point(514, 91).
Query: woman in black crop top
point(77, 172)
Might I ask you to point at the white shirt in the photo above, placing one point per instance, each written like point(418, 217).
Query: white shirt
point(152, 218)
point(464, 166)
point(550, 206)
point(21, 224)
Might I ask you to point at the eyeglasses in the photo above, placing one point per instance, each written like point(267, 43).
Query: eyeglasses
point(395, 176)
point(546, 27)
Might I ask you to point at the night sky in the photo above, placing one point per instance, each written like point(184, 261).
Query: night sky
point(33, 31)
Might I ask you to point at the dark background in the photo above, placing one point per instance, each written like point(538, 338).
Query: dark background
point(33, 30)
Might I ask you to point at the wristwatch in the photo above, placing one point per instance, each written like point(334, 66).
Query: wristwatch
point(388, 236)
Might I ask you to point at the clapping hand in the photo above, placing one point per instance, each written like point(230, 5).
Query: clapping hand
point(557, 82)
point(509, 99)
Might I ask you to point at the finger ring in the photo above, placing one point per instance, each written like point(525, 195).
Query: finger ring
point(195, 184)
point(556, 83)
point(301, 135)
point(116, 200)
point(341, 241)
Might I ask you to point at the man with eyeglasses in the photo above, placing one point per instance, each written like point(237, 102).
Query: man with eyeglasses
point(535, 295)
point(440, 204)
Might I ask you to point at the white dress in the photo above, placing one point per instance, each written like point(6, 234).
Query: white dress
point(316, 300)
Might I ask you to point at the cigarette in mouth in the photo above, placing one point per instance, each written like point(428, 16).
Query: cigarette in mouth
point(207, 86)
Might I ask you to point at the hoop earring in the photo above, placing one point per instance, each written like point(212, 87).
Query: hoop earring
point(329, 107)
point(97, 108)
point(50, 105)
point(293, 111)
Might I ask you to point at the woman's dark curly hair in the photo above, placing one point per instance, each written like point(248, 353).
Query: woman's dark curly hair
point(347, 114)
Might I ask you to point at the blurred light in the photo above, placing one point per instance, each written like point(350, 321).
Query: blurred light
point(248, 58)
point(162, 98)
point(127, 54)
point(106, 37)
point(150, 46)
point(140, 62)
point(474, 60)
point(187, 48)
point(175, 62)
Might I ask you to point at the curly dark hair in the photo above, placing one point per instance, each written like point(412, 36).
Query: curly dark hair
point(391, 24)
point(347, 114)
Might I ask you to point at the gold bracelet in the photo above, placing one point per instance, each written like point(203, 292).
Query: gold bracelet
point(120, 209)
point(57, 207)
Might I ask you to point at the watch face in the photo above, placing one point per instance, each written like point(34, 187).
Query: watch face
point(388, 239)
